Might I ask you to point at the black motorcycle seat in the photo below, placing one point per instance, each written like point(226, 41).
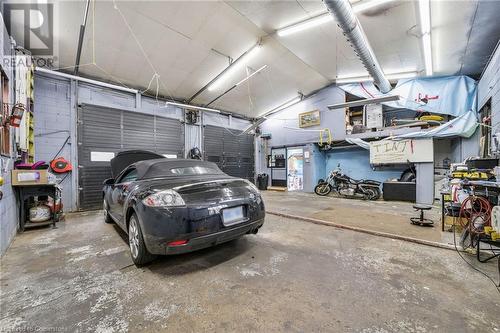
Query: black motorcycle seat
point(372, 182)
point(367, 181)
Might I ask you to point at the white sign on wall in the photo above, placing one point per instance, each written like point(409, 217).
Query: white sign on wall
point(373, 116)
point(101, 156)
point(401, 151)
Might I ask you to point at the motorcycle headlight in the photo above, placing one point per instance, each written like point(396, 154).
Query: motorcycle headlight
point(167, 198)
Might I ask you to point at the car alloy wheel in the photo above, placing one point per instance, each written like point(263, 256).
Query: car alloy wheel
point(133, 237)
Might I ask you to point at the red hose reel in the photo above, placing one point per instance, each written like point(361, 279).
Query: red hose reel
point(475, 214)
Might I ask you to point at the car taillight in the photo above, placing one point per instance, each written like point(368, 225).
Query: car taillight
point(167, 198)
point(178, 242)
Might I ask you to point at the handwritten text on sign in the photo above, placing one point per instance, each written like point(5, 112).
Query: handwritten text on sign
point(401, 151)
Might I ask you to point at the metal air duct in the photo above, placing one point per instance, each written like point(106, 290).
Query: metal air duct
point(348, 22)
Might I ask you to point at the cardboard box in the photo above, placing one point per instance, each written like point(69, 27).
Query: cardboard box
point(29, 177)
point(449, 221)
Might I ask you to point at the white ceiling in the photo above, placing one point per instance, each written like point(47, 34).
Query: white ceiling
point(187, 44)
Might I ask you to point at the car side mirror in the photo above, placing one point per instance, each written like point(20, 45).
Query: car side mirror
point(109, 181)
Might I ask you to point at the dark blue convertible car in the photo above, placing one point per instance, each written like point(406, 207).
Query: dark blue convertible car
point(170, 206)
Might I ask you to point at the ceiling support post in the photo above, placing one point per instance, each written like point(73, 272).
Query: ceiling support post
point(80, 38)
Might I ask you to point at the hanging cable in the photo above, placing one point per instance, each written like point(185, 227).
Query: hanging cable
point(497, 286)
point(155, 71)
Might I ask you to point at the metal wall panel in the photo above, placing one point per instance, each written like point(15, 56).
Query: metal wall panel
point(231, 150)
point(53, 125)
point(103, 129)
point(213, 144)
point(169, 137)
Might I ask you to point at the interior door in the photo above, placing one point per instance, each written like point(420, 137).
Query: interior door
point(295, 169)
point(278, 167)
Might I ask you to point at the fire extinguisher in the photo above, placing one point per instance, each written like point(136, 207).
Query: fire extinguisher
point(16, 115)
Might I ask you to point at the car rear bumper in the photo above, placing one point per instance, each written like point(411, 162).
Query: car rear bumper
point(200, 225)
point(161, 246)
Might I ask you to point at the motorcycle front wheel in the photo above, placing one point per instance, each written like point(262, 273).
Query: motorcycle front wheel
point(322, 189)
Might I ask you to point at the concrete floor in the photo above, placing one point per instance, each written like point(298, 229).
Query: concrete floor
point(380, 216)
point(293, 276)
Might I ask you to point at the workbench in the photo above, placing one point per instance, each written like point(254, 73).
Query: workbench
point(445, 199)
point(26, 192)
point(493, 246)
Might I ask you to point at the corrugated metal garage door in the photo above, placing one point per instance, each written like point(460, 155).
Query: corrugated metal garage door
point(106, 130)
point(231, 150)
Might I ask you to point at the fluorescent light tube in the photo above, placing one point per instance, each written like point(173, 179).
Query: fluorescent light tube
point(375, 100)
point(289, 103)
point(361, 6)
point(425, 16)
point(326, 17)
point(427, 45)
point(402, 75)
point(282, 106)
point(242, 60)
point(187, 106)
point(249, 76)
point(353, 79)
point(424, 9)
point(307, 24)
point(392, 76)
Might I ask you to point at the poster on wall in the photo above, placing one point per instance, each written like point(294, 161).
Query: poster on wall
point(311, 118)
point(401, 151)
point(295, 169)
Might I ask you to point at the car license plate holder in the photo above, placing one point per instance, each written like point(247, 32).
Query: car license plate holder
point(233, 215)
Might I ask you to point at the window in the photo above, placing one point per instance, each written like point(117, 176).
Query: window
point(128, 176)
point(195, 170)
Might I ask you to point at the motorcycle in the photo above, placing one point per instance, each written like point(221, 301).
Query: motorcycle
point(348, 187)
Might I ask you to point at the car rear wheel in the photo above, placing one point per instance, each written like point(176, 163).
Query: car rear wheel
point(138, 250)
point(107, 217)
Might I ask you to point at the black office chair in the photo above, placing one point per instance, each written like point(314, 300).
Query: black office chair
point(421, 220)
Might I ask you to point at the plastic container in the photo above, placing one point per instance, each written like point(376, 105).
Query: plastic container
point(40, 213)
point(262, 181)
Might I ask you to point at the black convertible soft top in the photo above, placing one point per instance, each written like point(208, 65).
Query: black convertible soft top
point(124, 158)
point(165, 167)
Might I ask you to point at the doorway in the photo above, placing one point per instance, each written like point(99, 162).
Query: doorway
point(295, 169)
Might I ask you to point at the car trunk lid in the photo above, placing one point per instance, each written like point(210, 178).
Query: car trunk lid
point(214, 191)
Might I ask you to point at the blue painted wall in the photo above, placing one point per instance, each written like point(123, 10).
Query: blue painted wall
point(355, 162)
point(318, 160)
point(284, 125)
